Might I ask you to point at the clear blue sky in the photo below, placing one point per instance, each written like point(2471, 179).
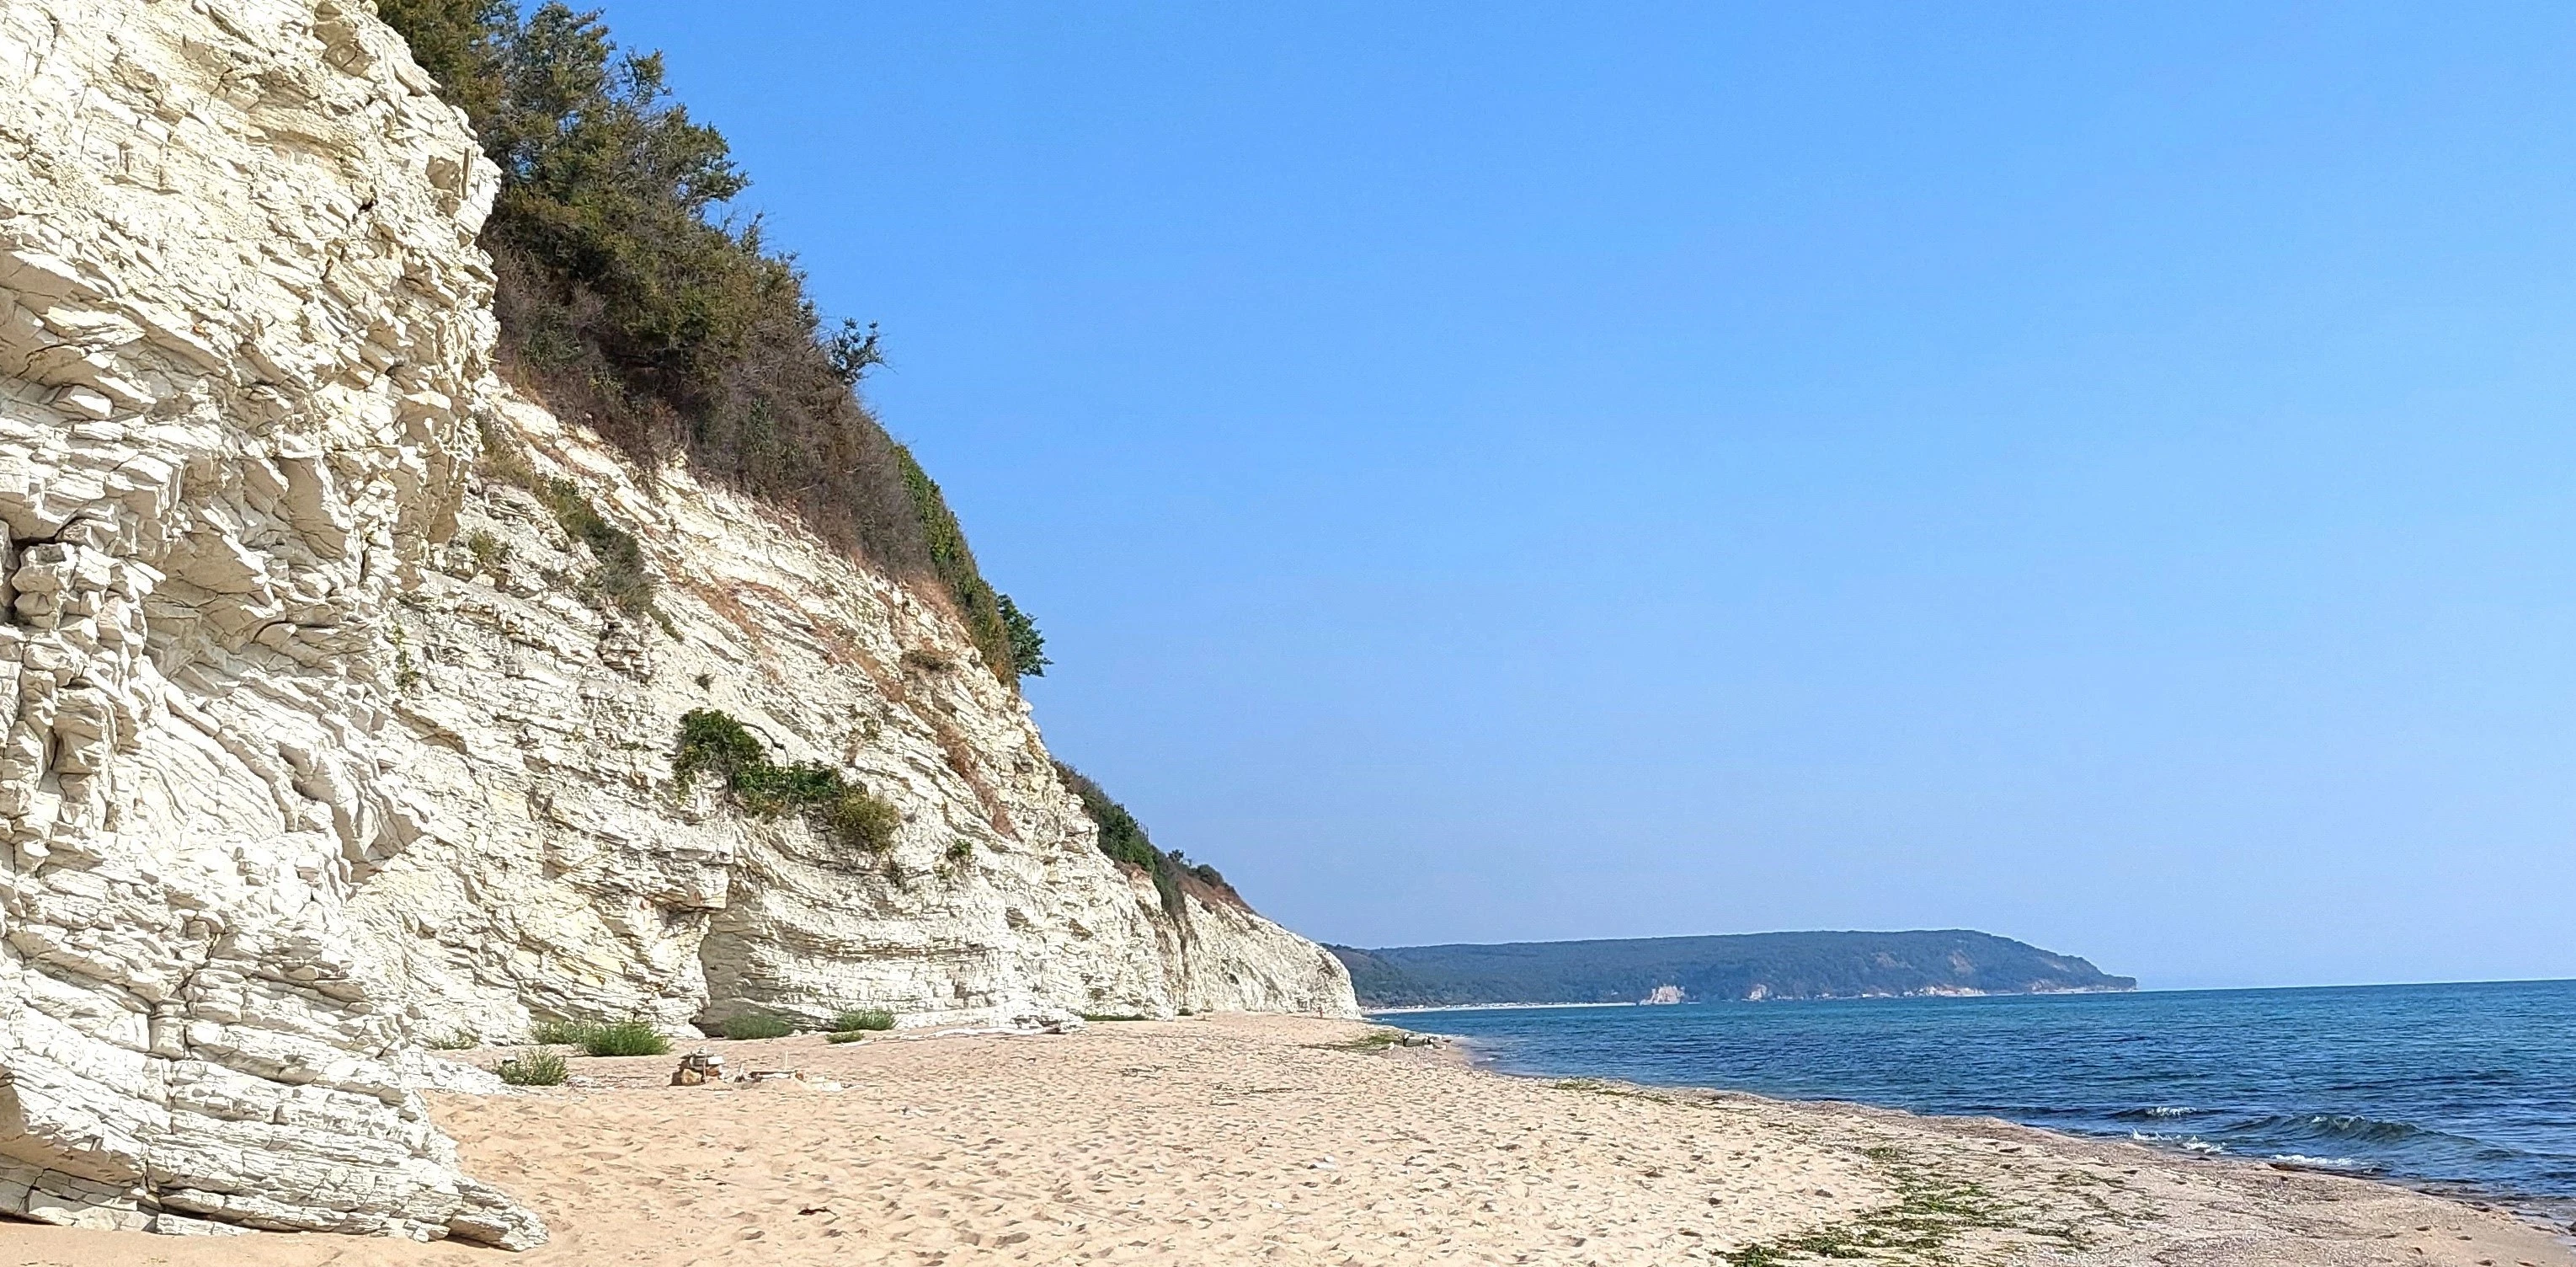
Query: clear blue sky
point(2102, 474)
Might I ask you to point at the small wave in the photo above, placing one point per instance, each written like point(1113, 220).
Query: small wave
point(2340, 1126)
point(2187, 1143)
point(2160, 1111)
point(2301, 1161)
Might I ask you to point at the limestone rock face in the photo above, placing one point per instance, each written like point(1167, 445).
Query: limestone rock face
point(540, 723)
point(315, 739)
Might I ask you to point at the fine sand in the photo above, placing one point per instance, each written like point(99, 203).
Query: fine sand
point(1270, 1140)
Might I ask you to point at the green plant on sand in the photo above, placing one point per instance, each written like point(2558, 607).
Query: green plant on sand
point(539, 1068)
point(758, 1025)
point(1378, 1039)
point(625, 1038)
point(635, 1037)
point(557, 1033)
point(1929, 1214)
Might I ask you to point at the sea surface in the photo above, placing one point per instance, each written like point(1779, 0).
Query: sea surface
point(2464, 1087)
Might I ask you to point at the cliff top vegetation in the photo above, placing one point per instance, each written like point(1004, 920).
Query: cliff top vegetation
point(630, 298)
point(1124, 839)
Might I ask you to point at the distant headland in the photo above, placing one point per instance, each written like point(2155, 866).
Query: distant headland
point(1823, 965)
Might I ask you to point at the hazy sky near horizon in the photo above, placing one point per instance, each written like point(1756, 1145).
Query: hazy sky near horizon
point(2100, 474)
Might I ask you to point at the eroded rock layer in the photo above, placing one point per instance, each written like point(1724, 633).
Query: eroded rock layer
point(538, 721)
point(320, 737)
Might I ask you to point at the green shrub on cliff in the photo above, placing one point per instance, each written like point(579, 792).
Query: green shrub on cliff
point(856, 818)
point(1199, 871)
point(1123, 838)
point(714, 743)
point(628, 298)
point(621, 579)
point(1028, 646)
point(460, 1039)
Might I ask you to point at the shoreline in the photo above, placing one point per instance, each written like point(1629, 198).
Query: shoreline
point(2554, 1213)
point(1265, 1139)
point(2554, 1216)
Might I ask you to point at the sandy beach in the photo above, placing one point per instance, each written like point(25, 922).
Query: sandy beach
point(1283, 1140)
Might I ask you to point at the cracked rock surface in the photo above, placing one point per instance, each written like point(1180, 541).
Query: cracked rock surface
point(314, 741)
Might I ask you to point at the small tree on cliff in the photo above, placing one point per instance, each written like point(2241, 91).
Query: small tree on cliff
point(628, 298)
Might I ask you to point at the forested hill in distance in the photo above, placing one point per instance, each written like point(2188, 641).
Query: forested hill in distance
point(1707, 969)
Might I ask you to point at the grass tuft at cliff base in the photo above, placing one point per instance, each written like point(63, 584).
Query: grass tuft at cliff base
point(534, 1069)
point(757, 1026)
point(635, 1037)
point(863, 1021)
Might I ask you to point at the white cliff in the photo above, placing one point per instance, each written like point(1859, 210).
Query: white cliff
point(540, 729)
point(317, 746)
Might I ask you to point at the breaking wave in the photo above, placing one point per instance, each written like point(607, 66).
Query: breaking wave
point(2340, 1165)
point(2187, 1143)
point(2334, 1126)
point(2160, 1111)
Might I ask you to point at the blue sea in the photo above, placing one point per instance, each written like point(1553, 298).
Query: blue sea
point(2462, 1087)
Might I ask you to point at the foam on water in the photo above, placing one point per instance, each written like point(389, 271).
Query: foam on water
point(2187, 1143)
point(2344, 1165)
